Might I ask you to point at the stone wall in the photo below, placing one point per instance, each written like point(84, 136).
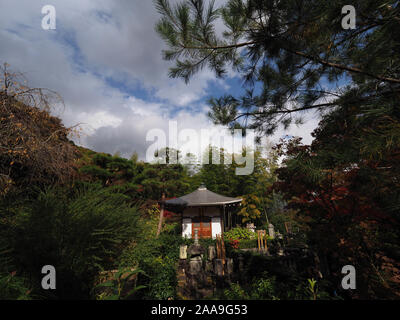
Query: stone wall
point(200, 275)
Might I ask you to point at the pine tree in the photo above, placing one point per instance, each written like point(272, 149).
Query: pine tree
point(296, 51)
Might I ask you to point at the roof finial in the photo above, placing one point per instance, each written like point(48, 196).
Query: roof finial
point(202, 186)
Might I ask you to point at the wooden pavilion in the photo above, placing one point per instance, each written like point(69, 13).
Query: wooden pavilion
point(206, 211)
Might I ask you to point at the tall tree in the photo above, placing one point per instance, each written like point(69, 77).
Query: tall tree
point(294, 55)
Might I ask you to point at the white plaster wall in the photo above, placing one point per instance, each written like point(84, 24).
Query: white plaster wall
point(187, 228)
point(216, 226)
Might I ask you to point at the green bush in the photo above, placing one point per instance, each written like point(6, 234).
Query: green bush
point(239, 234)
point(13, 287)
point(158, 258)
point(264, 288)
point(235, 292)
point(121, 286)
point(248, 244)
point(79, 232)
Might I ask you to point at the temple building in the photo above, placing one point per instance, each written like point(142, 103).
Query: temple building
point(203, 210)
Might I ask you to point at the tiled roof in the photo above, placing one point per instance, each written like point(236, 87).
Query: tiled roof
point(202, 197)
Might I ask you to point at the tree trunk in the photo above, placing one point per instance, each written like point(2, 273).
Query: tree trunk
point(160, 221)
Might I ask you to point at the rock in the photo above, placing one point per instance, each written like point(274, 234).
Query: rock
point(241, 264)
point(195, 250)
point(218, 267)
point(183, 252)
point(211, 253)
point(195, 265)
point(271, 230)
point(229, 266)
point(209, 267)
point(251, 227)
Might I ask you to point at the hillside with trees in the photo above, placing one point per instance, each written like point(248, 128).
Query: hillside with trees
point(95, 216)
point(85, 212)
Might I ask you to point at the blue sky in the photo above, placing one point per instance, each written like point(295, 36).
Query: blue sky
point(104, 59)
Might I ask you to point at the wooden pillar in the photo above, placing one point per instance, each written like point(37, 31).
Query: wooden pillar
point(181, 222)
point(223, 219)
point(230, 218)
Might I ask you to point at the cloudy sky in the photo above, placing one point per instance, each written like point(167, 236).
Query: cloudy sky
point(104, 59)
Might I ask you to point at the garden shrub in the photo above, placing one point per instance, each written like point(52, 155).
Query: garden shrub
point(235, 292)
point(13, 287)
point(158, 258)
point(79, 232)
point(239, 234)
point(248, 244)
point(264, 288)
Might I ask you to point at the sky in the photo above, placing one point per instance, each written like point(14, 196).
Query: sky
point(104, 59)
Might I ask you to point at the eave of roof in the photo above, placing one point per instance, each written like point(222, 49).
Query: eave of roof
point(202, 197)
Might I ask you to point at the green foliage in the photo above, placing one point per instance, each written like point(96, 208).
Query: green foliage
point(13, 287)
point(79, 233)
point(292, 69)
point(141, 181)
point(248, 244)
point(239, 234)
point(119, 284)
point(264, 288)
point(235, 292)
point(312, 288)
point(264, 278)
point(222, 178)
point(250, 208)
point(158, 258)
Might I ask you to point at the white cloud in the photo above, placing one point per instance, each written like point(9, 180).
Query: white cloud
point(99, 40)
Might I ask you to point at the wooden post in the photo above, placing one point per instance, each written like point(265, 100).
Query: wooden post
point(223, 249)
point(265, 240)
point(262, 240)
point(219, 247)
point(160, 221)
point(288, 227)
point(224, 228)
point(221, 255)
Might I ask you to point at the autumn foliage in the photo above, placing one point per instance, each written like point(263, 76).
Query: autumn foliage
point(34, 146)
